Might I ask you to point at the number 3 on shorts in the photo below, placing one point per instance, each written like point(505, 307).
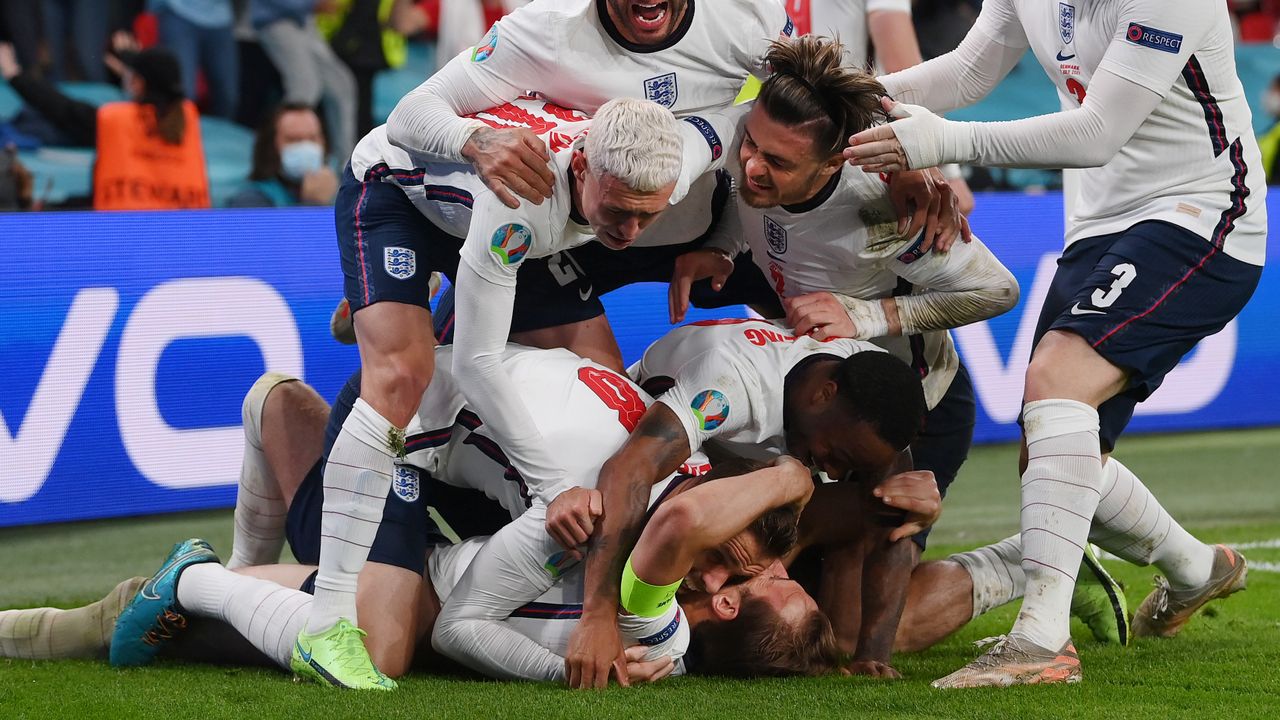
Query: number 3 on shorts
point(1125, 274)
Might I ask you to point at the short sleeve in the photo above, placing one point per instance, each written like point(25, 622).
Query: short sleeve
point(711, 397)
point(1153, 40)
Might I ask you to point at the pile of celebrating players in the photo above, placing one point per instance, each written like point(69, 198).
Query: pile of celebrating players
point(752, 497)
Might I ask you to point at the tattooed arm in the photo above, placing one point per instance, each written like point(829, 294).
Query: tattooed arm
point(654, 451)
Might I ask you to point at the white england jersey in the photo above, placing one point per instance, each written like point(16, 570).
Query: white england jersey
point(445, 192)
point(524, 584)
point(843, 19)
point(845, 240)
point(452, 196)
point(570, 52)
point(728, 380)
point(584, 411)
point(1194, 162)
point(530, 592)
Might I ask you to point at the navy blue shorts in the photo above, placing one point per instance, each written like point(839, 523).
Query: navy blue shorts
point(1143, 298)
point(943, 445)
point(388, 248)
point(566, 287)
point(406, 527)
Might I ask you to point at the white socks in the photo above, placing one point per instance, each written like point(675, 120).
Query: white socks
point(357, 478)
point(1131, 524)
point(996, 572)
point(268, 615)
point(1060, 491)
point(49, 633)
point(260, 509)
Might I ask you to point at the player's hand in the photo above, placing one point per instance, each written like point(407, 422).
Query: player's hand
point(916, 493)
point(595, 651)
point(925, 201)
point(690, 268)
point(572, 515)
point(964, 196)
point(818, 314)
point(511, 161)
point(872, 668)
point(799, 477)
point(647, 671)
point(915, 138)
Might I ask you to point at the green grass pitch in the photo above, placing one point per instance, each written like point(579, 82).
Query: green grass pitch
point(1226, 664)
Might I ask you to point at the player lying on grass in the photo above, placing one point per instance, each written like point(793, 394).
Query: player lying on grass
point(783, 631)
point(828, 239)
point(279, 417)
point(1165, 242)
point(748, 387)
point(583, 410)
point(676, 525)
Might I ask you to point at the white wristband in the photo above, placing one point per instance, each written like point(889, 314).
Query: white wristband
point(928, 140)
point(868, 316)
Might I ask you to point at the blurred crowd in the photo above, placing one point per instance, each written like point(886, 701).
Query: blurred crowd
point(298, 72)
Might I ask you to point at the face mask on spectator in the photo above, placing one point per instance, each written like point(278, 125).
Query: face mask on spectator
point(1271, 103)
point(299, 158)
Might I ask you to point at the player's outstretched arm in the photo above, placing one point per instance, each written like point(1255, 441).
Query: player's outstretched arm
point(506, 573)
point(966, 285)
point(1087, 136)
point(886, 574)
point(992, 48)
point(654, 451)
point(429, 120)
point(711, 514)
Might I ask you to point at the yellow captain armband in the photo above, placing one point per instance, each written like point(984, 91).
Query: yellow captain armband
point(640, 598)
point(750, 89)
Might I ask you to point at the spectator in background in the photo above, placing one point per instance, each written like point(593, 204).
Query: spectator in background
point(200, 34)
point(370, 36)
point(20, 25)
point(1269, 142)
point(149, 152)
point(84, 22)
point(288, 162)
point(310, 71)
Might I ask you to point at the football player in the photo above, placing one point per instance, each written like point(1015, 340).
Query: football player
point(1165, 242)
point(828, 240)
point(395, 227)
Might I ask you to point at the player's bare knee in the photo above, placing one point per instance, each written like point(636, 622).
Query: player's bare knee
point(291, 400)
point(253, 409)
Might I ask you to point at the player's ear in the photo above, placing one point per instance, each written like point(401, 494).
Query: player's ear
point(824, 394)
point(832, 165)
point(725, 604)
point(578, 163)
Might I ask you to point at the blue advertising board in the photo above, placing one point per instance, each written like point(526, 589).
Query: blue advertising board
point(128, 341)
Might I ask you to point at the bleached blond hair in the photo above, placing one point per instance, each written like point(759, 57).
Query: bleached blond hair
point(637, 142)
